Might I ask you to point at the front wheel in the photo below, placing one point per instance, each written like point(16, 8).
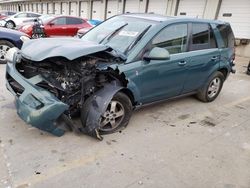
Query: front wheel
point(10, 25)
point(212, 88)
point(4, 47)
point(117, 114)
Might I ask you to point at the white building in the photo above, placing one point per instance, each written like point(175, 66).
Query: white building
point(235, 12)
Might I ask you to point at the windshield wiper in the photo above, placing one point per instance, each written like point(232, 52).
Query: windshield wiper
point(109, 36)
point(136, 40)
point(118, 53)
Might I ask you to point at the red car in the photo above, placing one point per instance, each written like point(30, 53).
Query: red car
point(58, 26)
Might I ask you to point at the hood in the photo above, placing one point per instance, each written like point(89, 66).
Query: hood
point(70, 48)
point(7, 32)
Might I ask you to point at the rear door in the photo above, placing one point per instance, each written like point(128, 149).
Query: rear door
point(204, 56)
point(73, 25)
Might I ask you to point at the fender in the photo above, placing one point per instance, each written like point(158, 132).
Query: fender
point(95, 106)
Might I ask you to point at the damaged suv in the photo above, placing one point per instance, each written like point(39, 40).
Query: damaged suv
point(124, 63)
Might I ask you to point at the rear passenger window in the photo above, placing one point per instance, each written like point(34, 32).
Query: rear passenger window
point(74, 21)
point(173, 38)
point(202, 37)
point(226, 35)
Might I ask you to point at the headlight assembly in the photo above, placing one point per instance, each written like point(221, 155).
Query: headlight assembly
point(24, 38)
point(11, 54)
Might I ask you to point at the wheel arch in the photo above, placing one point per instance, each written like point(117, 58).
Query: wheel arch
point(130, 94)
point(224, 71)
point(12, 22)
point(8, 40)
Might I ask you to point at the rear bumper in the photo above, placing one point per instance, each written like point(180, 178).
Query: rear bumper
point(35, 105)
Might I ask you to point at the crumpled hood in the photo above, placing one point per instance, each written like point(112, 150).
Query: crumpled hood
point(70, 48)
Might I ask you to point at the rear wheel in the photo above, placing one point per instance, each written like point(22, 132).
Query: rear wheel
point(4, 48)
point(212, 88)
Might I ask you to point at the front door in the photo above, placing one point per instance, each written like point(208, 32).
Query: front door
point(161, 79)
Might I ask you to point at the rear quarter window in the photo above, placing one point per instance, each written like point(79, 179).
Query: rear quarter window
point(227, 35)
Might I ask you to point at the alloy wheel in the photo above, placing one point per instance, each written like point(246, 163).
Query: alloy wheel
point(9, 25)
point(214, 87)
point(112, 117)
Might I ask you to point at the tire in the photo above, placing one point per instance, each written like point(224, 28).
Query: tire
point(4, 47)
point(248, 69)
point(10, 25)
point(123, 104)
point(212, 88)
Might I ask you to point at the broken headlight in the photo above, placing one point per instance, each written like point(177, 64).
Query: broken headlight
point(13, 55)
point(24, 38)
point(10, 55)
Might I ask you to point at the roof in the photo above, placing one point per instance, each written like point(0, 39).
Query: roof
point(162, 18)
point(149, 16)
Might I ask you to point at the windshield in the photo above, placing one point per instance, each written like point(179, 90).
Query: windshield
point(119, 32)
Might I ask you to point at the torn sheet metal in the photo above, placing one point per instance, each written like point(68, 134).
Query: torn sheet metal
point(95, 106)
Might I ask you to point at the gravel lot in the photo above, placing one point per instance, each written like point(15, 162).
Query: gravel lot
point(182, 143)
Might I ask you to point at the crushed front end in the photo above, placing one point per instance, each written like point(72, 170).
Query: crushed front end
point(50, 92)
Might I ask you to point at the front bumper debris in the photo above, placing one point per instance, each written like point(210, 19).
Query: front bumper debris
point(35, 105)
point(41, 109)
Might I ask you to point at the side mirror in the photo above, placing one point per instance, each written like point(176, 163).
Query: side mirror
point(157, 54)
point(51, 24)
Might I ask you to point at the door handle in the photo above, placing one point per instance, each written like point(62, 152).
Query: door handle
point(215, 58)
point(182, 63)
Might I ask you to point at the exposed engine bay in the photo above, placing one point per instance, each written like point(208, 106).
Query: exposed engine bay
point(73, 82)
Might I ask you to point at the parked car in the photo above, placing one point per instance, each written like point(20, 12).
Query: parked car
point(58, 26)
point(20, 17)
point(124, 63)
point(5, 14)
point(95, 22)
point(10, 38)
point(82, 31)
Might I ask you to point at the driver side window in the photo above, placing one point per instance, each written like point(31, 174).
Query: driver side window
point(59, 21)
point(173, 38)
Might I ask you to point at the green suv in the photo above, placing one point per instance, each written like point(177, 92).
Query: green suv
point(124, 63)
